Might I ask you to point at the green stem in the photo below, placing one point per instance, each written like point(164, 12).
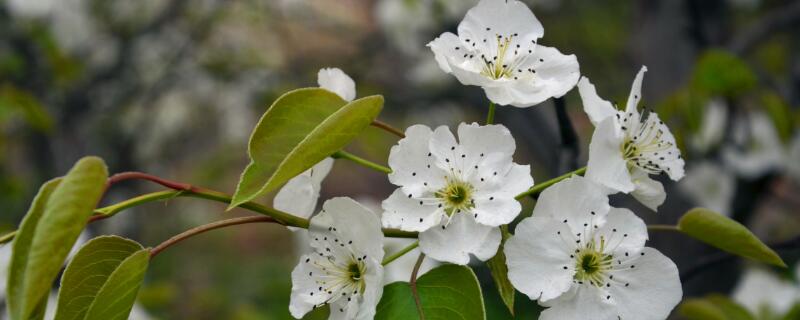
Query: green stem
point(663, 227)
point(364, 162)
point(490, 116)
point(400, 253)
point(538, 188)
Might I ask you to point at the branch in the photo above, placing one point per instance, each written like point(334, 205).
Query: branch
point(204, 228)
point(413, 284)
point(537, 189)
point(723, 257)
point(569, 139)
point(388, 128)
point(361, 161)
point(768, 24)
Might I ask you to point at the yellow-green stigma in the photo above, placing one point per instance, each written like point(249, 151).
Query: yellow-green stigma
point(457, 196)
point(591, 265)
point(355, 271)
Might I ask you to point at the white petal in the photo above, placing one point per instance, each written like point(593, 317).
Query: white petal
point(648, 191)
point(636, 91)
point(338, 82)
point(299, 196)
point(653, 289)
point(352, 222)
point(500, 95)
point(624, 232)
point(501, 17)
point(413, 165)
point(710, 185)
point(495, 204)
point(538, 257)
point(400, 211)
point(595, 107)
point(760, 289)
point(670, 159)
point(476, 140)
point(583, 302)
point(576, 201)
point(556, 74)
point(304, 288)
point(444, 148)
point(462, 237)
point(444, 49)
point(362, 308)
point(606, 165)
point(763, 151)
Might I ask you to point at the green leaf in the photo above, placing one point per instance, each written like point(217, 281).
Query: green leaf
point(713, 307)
point(300, 129)
point(447, 292)
point(115, 299)
point(90, 271)
point(497, 265)
point(722, 232)
point(720, 73)
point(56, 218)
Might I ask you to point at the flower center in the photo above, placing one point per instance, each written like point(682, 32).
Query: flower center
point(355, 271)
point(456, 195)
point(507, 59)
point(592, 265)
point(645, 146)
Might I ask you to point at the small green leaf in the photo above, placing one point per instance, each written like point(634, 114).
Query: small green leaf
point(115, 299)
point(722, 232)
point(300, 129)
point(89, 271)
point(49, 230)
point(497, 265)
point(447, 292)
point(713, 307)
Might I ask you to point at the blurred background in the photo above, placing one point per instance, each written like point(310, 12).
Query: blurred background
point(173, 88)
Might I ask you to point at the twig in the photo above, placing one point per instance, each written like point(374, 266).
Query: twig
point(413, 284)
point(770, 22)
point(490, 115)
point(388, 128)
point(538, 188)
point(722, 257)
point(361, 161)
point(662, 227)
point(400, 253)
point(208, 227)
point(569, 139)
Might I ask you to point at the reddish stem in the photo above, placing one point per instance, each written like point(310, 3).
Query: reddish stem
point(207, 227)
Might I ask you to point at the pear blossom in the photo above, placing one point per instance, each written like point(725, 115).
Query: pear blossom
point(344, 268)
point(710, 185)
point(455, 193)
point(299, 196)
point(765, 294)
point(497, 48)
point(712, 128)
point(757, 148)
point(584, 259)
point(627, 147)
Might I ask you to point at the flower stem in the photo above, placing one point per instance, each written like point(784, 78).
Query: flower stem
point(663, 227)
point(388, 128)
point(413, 284)
point(490, 116)
point(400, 253)
point(361, 161)
point(207, 227)
point(538, 188)
point(8, 237)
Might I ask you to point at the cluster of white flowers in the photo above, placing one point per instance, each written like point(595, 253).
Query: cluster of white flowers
point(576, 255)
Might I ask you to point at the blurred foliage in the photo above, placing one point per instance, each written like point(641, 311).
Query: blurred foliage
point(720, 73)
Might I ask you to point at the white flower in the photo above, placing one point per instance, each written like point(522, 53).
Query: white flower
point(496, 48)
point(627, 146)
point(338, 82)
point(762, 291)
point(712, 129)
point(344, 270)
point(586, 260)
point(455, 193)
point(758, 148)
point(710, 185)
point(299, 196)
